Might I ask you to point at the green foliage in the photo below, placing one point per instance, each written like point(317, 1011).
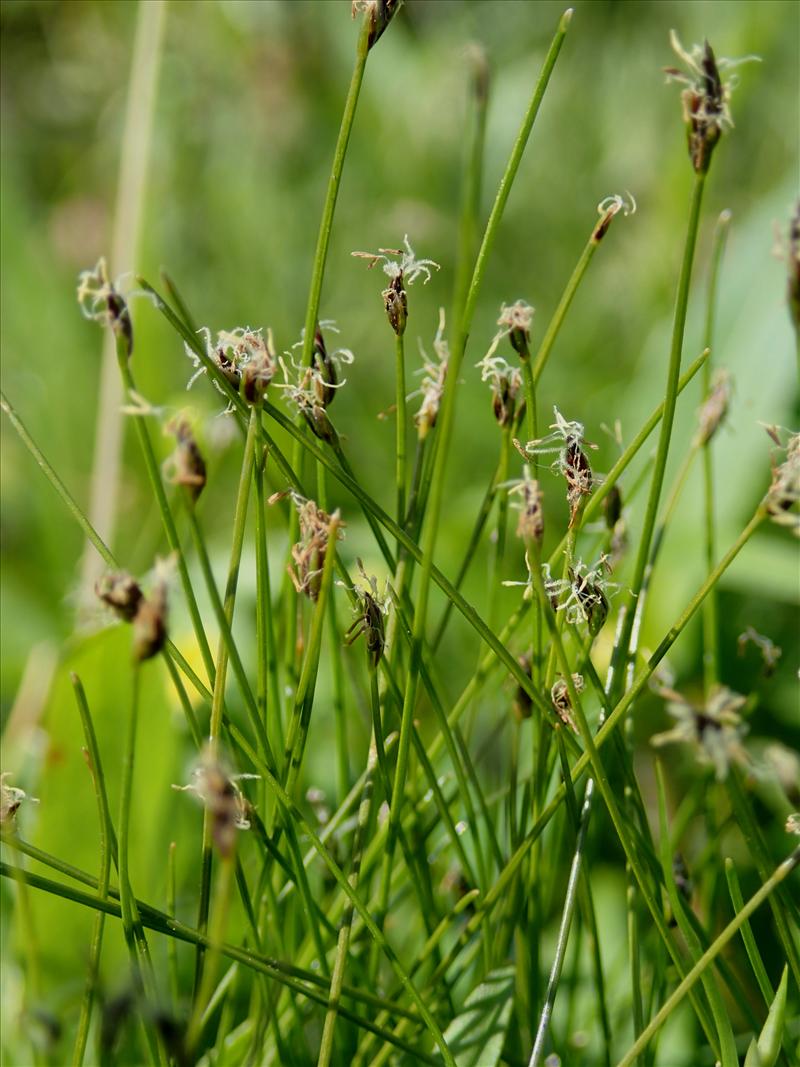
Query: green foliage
point(376, 724)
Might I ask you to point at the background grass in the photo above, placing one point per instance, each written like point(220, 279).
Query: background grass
point(250, 96)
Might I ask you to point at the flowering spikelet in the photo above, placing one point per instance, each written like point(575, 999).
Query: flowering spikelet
point(705, 98)
point(186, 465)
point(608, 208)
point(714, 731)
point(566, 440)
point(515, 323)
point(309, 552)
point(379, 13)
point(559, 695)
point(310, 390)
point(401, 272)
point(783, 494)
point(504, 380)
point(222, 797)
point(10, 800)
point(583, 596)
point(530, 526)
point(101, 301)
point(770, 652)
point(242, 356)
point(715, 408)
point(434, 375)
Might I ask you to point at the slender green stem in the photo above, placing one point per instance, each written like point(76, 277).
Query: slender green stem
point(599, 230)
point(337, 977)
point(670, 399)
point(607, 730)
point(326, 223)
point(750, 944)
point(708, 957)
point(445, 426)
point(172, 948)
point(473, 173)
point(137, 946)
point(727, 1045)
point(402, 428)
point(711, 606)
point(297, 733)
point(226, 645)
point(92, 755)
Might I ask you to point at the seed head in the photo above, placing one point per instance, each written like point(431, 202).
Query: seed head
point(186, 465)
point(705, 98)
point(770, 652)
point(219, 791)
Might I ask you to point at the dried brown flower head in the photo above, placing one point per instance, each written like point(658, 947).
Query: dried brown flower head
point(121, 593)
point(308, 554)
point(186, 465)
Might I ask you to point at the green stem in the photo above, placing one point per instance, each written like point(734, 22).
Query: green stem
point(711, 606)
point(218, 697)
point(337, 977)
point(473, 172)
point(92, 756)
point(278, 971)
point(708, 957)
point(326, 223)
point(402, 429)
point(670, 399)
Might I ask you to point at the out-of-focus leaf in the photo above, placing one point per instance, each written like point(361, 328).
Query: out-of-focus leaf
point(764, 1052)
point(476, 1036)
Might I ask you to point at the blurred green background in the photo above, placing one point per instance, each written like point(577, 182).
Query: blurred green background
point(249, 101)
